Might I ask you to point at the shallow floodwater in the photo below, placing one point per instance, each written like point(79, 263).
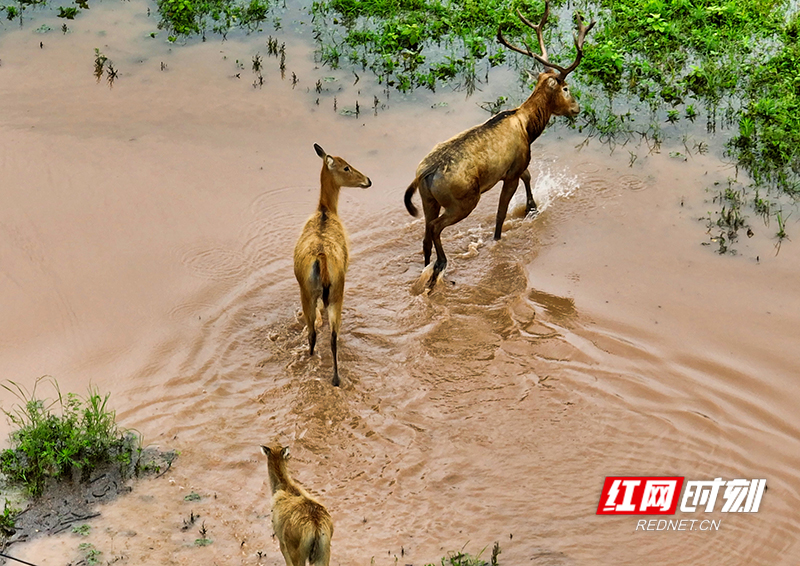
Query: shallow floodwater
point(146, 233)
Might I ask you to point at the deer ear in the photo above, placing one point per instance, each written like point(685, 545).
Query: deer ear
point(552, 83)
point(265, 450)
point(329, 161)
point(285, 453)
point(319, 150)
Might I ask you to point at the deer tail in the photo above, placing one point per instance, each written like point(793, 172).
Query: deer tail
point(412, 188)
point(320, 551)
point(322, 276)
point(321, 266)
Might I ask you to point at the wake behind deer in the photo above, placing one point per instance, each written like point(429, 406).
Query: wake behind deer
point(456, 172)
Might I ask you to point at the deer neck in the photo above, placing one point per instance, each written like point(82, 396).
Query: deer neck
point(329, 192)
point(537, 113)
point(278, 476)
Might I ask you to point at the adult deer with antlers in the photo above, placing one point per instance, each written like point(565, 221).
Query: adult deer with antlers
point(456, 172)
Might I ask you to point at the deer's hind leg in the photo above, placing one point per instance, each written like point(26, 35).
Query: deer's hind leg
point(335, 321)
point(287, 557)
point(431, 207)
point(297, 556)
point(457, 212)
point(309, 302)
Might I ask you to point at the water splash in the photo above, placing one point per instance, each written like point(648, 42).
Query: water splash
point(547, 188)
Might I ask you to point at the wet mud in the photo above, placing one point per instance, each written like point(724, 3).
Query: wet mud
point(67, 504)
point(146, 234)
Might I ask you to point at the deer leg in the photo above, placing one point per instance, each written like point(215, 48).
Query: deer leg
point(335, 320)
point(449, 218)
point(296, 555)
point(431, 208)
point(508, 190)
point(530, 204)
point(427, 243)
point(286, 555)
point(310, 315)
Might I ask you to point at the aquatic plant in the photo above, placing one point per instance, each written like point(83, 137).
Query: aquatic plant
point(190, 17)
point(742, 55)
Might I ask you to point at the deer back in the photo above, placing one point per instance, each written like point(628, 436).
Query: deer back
point(480, 155)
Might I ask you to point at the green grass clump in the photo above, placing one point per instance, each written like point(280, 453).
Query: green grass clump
point(82, 530)
point(769, 126)
point(8, 520)
point(91, 555)
point(190, 17)
point(80, 434)
point(737, 59)
point(665, 51)
point(416, 43)
point(203, 540)
point(17, 9)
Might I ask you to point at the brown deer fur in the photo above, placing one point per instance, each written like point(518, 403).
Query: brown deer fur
point(302, 524)
point(321, 255)
point(456, 172)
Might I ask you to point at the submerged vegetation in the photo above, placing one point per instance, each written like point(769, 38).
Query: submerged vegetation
point(54, 439)
point(189, 17)
point(733, 64)
point(415, 43)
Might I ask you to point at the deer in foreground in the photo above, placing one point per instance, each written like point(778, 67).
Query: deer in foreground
point(321, 255)
point(302, 524)
point(456, 172)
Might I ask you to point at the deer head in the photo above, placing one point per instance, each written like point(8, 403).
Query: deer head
point(342, 173)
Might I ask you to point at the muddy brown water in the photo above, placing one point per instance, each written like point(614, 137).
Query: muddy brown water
point(146, 233)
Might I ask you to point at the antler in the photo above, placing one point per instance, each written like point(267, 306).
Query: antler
point(538, 28)
point(579, 40)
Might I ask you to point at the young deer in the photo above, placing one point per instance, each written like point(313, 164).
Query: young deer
point(321, 253)
point(302, 524)
point(456, 172)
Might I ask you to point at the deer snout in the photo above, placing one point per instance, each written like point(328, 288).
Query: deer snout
point(574, 110)
point(366, 184)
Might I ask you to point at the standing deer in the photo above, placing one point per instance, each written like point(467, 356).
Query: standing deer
point(302, 524)
point(456, 172)
point(321, 254)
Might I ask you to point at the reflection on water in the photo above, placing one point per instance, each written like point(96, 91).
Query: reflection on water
point(145, 247)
